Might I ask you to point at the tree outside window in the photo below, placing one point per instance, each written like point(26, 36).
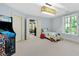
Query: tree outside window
point(71, 25)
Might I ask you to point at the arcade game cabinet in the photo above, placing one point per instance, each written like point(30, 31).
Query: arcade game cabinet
point(7, 36)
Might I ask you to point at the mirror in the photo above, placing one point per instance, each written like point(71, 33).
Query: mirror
point(32, 27)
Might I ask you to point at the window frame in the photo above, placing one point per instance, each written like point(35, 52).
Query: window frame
point(70, 31)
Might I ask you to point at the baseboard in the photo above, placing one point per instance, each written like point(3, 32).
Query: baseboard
point(72, 41)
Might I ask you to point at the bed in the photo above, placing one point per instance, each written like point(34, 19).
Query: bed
point(52, 36)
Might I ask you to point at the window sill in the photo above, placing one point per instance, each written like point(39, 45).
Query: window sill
point(70, 34)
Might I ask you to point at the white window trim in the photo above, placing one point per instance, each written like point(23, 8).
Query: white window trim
point(64, 25)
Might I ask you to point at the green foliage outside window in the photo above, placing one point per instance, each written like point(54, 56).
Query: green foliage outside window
point(71, 25)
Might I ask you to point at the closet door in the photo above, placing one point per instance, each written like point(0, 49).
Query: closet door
point(17, 26)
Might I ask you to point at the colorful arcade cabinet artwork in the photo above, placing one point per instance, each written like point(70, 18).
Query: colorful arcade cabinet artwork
point(7, 36)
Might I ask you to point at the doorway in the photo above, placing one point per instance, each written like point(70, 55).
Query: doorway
point(32, 27)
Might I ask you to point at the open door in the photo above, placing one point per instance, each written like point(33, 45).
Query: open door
point(32, 27)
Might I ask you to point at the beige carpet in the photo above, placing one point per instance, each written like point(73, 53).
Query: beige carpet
point(43, 47)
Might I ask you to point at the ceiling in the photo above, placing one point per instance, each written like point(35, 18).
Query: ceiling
point(35, 8)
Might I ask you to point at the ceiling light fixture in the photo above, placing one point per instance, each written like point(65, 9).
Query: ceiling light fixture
point(48, 10)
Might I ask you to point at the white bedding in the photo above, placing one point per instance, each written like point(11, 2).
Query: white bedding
point(52, 35)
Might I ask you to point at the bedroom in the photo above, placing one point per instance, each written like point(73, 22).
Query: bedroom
point(47, 24)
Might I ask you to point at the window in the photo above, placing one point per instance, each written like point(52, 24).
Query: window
point(71, 24)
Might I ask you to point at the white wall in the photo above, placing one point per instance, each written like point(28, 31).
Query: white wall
point(45, 23)
point(57, 25)
point(4, 10)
